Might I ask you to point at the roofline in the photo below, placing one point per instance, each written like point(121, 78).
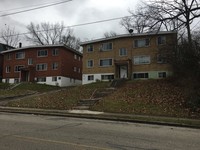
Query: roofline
point(127, 35)
point(42, 46)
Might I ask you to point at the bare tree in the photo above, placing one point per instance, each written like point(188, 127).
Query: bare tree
point(47, 34)
point(110, 34)
point(10, 36)
point(171, 15)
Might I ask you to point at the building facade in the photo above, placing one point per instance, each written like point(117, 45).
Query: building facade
point(47, 64)
point(136, 56)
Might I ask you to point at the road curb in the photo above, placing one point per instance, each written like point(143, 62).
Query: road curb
point(154, 120)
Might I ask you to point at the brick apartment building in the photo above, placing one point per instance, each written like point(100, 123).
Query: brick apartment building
point(46, 64)
point(3, 47)
point(132, 56)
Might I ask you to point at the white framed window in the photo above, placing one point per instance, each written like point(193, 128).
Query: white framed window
point(107, 77)
point(75, 56)
point(20, 55)
point(105, 62)
point(41, 79)
point(79, 58)
point(8, 69)
point(54, 66)
point(161, 40)
point(30, 61)
point(55, 52)
point(90, 63)
point(54, 79)
point(42, 53)
point(75, 69)
point(142, 42)
point(139, 60)
point(90, 77)
point(79, 70)
point(162, 74)
point(18, 68)
point(41, 67)
point(141, 75)
point(90, 48)
point(122, 52)
point(106, 46)
point(8, 56)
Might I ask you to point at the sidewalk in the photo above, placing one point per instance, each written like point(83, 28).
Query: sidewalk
point(169, 121)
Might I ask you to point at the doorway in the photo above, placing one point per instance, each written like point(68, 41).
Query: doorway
point(123, 71)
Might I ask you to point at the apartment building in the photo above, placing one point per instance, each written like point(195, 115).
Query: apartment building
point(46, 64)
point(131, 56)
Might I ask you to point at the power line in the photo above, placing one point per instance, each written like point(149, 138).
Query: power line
point(76, 25)
point(40, 7)
point(28, 6)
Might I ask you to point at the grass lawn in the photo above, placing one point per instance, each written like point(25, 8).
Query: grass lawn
point(62, 99)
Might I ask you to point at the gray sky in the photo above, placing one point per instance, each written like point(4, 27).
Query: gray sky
point(70, 13)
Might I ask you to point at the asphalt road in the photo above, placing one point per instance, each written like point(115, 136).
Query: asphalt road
point(30, 132)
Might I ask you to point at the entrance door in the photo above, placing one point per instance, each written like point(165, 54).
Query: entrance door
point(123, 71)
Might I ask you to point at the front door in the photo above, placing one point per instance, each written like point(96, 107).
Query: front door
point(123, 71)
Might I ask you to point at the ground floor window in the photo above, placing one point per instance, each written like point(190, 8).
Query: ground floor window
point(90, 78)
point(54, 79)
point(140, 75)
point(7, 81)
point(162, 74)
point(41, 79)
point(16, 80)
point(107, 77)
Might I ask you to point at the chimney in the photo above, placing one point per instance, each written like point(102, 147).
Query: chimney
point(20, 45)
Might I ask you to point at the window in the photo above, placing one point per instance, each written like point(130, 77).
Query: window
point(161, 40)
point(122, 52)
point(79, 70)
point(18, 68)
point(90, 78)
point(105, 62)
point(141, 60)
point(8, 69)
point(55, 52)
point(41, 67)
point(90, 48)
point(8, 56)
point(20, 55)
point(16, 80)
point(90, 63)
point(54, 79)
point(106, 47)
point(75, 56)
point(161, 59)
point(7, 80)
point(41, 79)
point(142, 43)
point(140, 75)
point(30, 61)
point(79, 58)
point(54, 66)
point(75, 69)
point(162, 74)
point(42, 53)
point(107, 77)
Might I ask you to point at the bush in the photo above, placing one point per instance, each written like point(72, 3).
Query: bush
point(4, 85)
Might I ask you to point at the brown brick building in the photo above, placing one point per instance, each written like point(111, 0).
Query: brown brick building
point(48, 64)
point(135, 56)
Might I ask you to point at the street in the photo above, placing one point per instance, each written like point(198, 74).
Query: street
point(31, 132)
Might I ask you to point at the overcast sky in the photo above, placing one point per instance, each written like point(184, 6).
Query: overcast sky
point(70, 13)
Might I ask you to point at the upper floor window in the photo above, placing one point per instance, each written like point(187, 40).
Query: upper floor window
point(122, 52)
point(41, 67)
point(79, 58)
point(54, 66)
point(105, 62)
point(42, 53)
point(106, 46)
point(90, 48)
point(75, 69)
point(75, 56)
point(142, 43)
point(8, 56)
point(18, 68)
point(8, 69)
point(161, 59)
point(141, 60)
point(90, 63)
point(55, 52)
point(20, 55)
point(30, 61)
point(161, 40)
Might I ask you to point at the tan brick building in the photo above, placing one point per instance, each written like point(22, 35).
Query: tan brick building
point(45, 64)
point(136, 56)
